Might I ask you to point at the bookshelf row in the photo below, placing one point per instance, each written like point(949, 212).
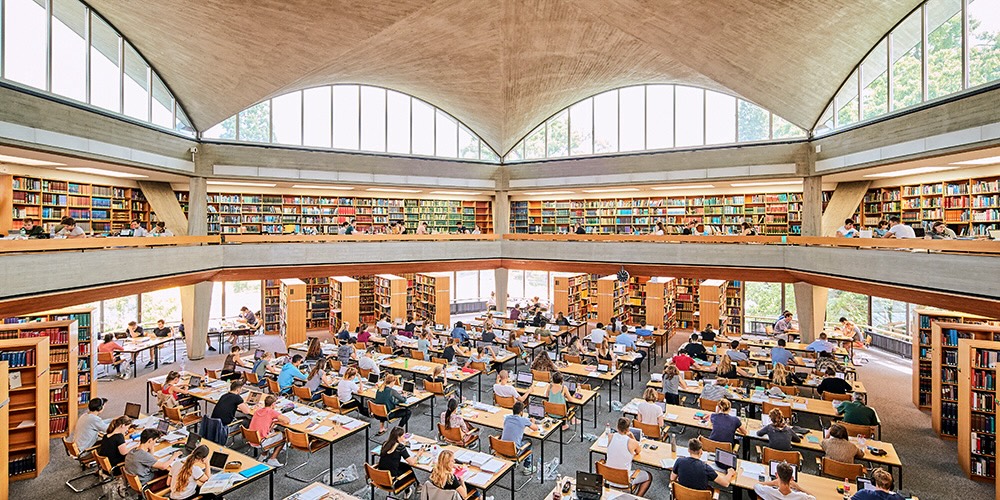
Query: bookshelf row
point(431, 298)
point(934, 356)
point(978, 352)
point(28, 404)
point(970, 207)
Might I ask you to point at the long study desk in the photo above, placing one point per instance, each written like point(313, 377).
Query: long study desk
point(320, 491)
point(492, 416)
point(135, 346)
point(540, 390)
point(799, 404)
point(593, 373)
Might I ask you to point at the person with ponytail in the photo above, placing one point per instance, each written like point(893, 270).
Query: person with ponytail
point(187, 475)
point(452, 418)
point(443, 475)
point(395, 458)
point(725, 426)
point(780, 436)
point(387, 395)
point(113, 445)
point(883, 488)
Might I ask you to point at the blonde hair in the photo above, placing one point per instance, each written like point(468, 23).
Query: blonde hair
point(780, 374)
point(670, 371)
point(649, 395)
point(882, 478)
point(724, 405)
point(442, 471)
point(389, 380)
point(725, 364)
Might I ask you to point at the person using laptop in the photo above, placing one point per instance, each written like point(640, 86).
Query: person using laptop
point(233, 360)
point(626, 339)
point(821, 344)
point(709, 333)
point(899, 230)
point(597, 334)
point(623, 448)
point(783, 487)
point(319, 381)
point(345, 331)
point(451, 418)
point(481, 355)
point(113, 446)
point(833, 384)
point(605, 354)
point(346, 390)
point(260, 367)
point(142, 463)
point(695, 348)
point(941, 231)
point(513, 430)
point(70, 229)
point(90, 425)
point(187, 475)
point(504, 388)
point(387, 395)
point(174, 390)
point(263, 421)
point(160, 229)
point(230, 403)
point(691, 472)
point(557, 393)
point(780, 355)
point(423, 342)
point(883, 488)
point(780, 435)
point(725, 426)
point(543, 362)
point(561, 319)
point(735, 354)
point(648, 411)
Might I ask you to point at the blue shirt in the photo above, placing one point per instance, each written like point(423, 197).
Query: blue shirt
point(460, 333)
point(876, 495)
point(288, 375)
point(737, 355)
point(513, 429)
point(820, 345)
point(780, 355)
point(625, 340)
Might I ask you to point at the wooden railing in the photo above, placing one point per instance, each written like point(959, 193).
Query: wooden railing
point(19, 246)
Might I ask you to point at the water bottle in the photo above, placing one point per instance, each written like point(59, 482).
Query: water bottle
point(183, 364)
point(607, 429)
point(406, 362)
point(847, 489)
point(862, 442)
point(673, 444)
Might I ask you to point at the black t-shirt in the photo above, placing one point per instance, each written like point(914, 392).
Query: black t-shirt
point(489, 336)
point(686, 231)
point(109, 448)
point(834, 385)
point(708, 335)
point(696, 350)
point(409, 327)
point(449, 353)
point(225, 409)
point(581, 230)
point(161, 332)
point(693, 473)
point(452, 484)
point(393, 462)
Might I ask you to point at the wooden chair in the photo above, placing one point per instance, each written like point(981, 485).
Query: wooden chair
point(786, 410)
point(336, 365)
point(174, 415)
point(541, 376)
point(789, 390)
point(273, 387)
point(688, 375)
point(652, 431)
point(385, 350)
point(252, 379)
point(562, 412)
point(360, 346)
point(829, 396)
point(150, 495)
point(710, 446)
point(681, 492)
point(380, 413)
point(839, 470)
point(440, 361)
point(106, 359)
point(86, 461)
point(768, 454)
point(363, 373)
point(455, 437)
point(708, 404)
point(255, 442)
point(384, 481)
point(481, 366)
point(332, 403)
point(503, 401)
point(508, 450)
point(136, 485)
point(417, 355)
point(212, 373)
point(516, 351)
point(616, 479)
point(573, 358)
point(868, 431)
point(104, 465)
point(303, 394)
point(300, 441)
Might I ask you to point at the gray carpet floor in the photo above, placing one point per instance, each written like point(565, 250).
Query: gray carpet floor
point(931, 469)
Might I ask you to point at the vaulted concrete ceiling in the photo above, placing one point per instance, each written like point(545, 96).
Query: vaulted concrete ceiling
point(503, 66)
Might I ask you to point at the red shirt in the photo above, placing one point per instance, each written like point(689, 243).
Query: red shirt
point(263, 420)
point(109, 347)
point(363, 336)
point(683, 362)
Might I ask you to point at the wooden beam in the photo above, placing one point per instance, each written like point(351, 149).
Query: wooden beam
point(164, 202)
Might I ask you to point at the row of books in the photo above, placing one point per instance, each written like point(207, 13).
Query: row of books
point(56, 335)
point(983, 380)
point(58, 425)
point(84, 397)
point(22, 465)
point(59, 395)
point(984, 423)
point(987, 359)
point(983, 444)
point(18, 359)
point(983, 402)
point(57, 377)
point(986, 467)
point(949, 419)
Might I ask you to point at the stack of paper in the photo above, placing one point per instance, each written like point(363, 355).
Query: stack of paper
point(479, 479)
point(478, 459)
point(602, 442)
point(297, 419)
point(667, 463)
point(353, 424)
point(314, 493)
point(492, 466)
point(163, 452)
point(323, 429)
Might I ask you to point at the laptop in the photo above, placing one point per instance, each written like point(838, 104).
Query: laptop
point(536, 410)
point(762, 370)
point(254, 398)
point(194, 381)
point(571, 386)
point(163, 426)
point(636, 433)
point(373, 378)
point(725, 460)
point(132, 410)
point(439, 327)
point(773, 465)
point(259, 353)
point(408, 388)
point(919, 232)
point(589, 486)
point(553, 328)
point(865, 484)
point(193, 440)
point(603, 368)
point(125, 233)
point(524, 379)
point(618, 348)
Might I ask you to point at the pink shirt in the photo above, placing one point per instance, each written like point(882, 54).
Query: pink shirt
point(263, 420)
point(109, 347)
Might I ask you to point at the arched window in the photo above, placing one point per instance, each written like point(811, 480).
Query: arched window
point(651, 117)
point(65, 48)
point(355, 118)
point(932, 53)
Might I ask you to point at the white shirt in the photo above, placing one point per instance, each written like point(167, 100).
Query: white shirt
point(367, 363)
point(192, 484)
point(346, 389)
point(597, 335)
point(772, 493)
point(140, 232)
point(383, 326)
point(506, 391)
point(649, 413)
point(77, 231)
point(902, 231)
point(847, 233)
point(619, 457)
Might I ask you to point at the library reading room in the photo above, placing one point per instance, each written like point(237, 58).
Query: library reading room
point(626, 250)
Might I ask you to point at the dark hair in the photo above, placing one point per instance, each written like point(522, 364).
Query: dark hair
point(393, 440)
point(694, 337)
point(172, 376)
point(108, 338)
point(270, 399)
point(68, 221)
point(694, 444)
point(118, 422)
point(557, 377)
point(148, 434)
point(883, 223)
point(600, 325)
point(838, 431)
point(849, 222)
point(452, 406)
point(782, 343)
point(824, 354)
point(734, 344)
point(518, 408)
point(843, 319)
point(894, 218)
point(96, 404)
point(784, 472)
point(296, 358)
point(787, 314)
point(622, 424)
point(236, 385)
point(235, 348)
point(458, 324)
point(244, 308)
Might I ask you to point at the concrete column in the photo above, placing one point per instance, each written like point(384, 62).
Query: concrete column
point(501, 212)
point(500, 284)
point(810, 304)
point(198, 207)
point(196, 303)
point(812, 205)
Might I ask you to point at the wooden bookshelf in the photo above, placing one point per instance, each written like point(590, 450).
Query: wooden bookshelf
point(970, 207)
point(390, 296)
point(687, 302)
point(4, 428)
point(571, 295)
point(345, 302)
point(432, 298)
point(104, 208)
point(28, 429)
point(711, 304)
point(977, 392)
point(611, 301)
point(925, 375)
point(272, 306)
point(317, 303)
point(63, 364)
point(293, 311)
point(945, 337)
point(366, 289)
point(734, 308)
point(660, 303)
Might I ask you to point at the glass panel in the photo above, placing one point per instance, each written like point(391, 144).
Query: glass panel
point(853, 306)
point(466, 285)
point(907, 85)
point(536, 284)
point(423, 128)
point(242, 294)
point(69, 50)
point(581, 128)
point(846, 102)
point(163, 104)
point(224, 130)
point(24, 42)
point(875, 82)
point(944, 47)
point(286, 119)
point(255, 123)
point(690, 118)
point(557, 129)
point(487, 154)
point(317, 109)
point(118, 312)
point(398, 138)
point(754, 122)
point(136, 85)
point(887, 314)
point(632, 119)
point(763, 300)
point(515, 285)
point(105, 75)
point(447, 135)
point(346, 117)
point(984, 41)
point(372, 119)
point(784, 130)
point(659, 116)
point(825, 121)
point(720, 118)
point(516, 154)
point(468, 145)
point(182, 123)
point(161, 304)
point(534, 144)
point(487, 285)
point(606, 122)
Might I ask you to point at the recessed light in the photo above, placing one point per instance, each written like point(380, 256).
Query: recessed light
point(319, 186)
point(457, 193)
point(911, 171)
point(688, 186)
point(27, 161)
point(545, 193)
point(610, 190)
point(774, 183)
point(234, 183)
point(393, 190)
point(979, 161)
point(101, 171)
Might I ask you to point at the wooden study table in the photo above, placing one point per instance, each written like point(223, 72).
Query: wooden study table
point(486, 415)
point(426, 368)
point(799, 404)
point(135, 346)
point(540, 390)
point(811, 381)
point(629, 358)
point(759, 342)
point(609, 494)
point(591, 372)
point(531, 346)
point(320, 491)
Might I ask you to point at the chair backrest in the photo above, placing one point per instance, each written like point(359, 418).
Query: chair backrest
point(541, 375)
point(792, 457)
point(833, 468)
point(829, 396)
point(298, 440)
point(708, 404)
point(105, 358)
point(453, 435)
point(786, 410)
point(556, 409)
point(417, 355)
point(681, 492)
point(515, 350)
point(688, 375)
point(710, 446)
point(605, 362)
point(302, 392)
point(506, 449)
point(212, 373)
point(273, 387)
point(377, 410)
point(868, 431)
point(435, 388)
point(651, 430)
point(789, 390)
point(614, 478)
point(155, 387)
point(103, 463)
point(133, 481)
point(503, 401)
point(379, 478)
point(478, 365)
point(252, 437)
point(335, 365)
point(360, 345)
point(71, 449)
point(430, 491)
point(385, 349)
point(331, 403)
point(252, 378)
point(151, 495)
point(440, 361)
point(363, 372)
point(573, 358)
point(172, 413)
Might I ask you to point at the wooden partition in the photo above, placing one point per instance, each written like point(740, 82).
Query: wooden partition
point(390, 296)
point(976, 416)
point(293, 311)
point(711, 304)
point(345, 302)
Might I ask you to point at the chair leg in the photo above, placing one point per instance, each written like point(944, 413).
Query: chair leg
point(94, 472)
point(289, 473)
point(529, 478)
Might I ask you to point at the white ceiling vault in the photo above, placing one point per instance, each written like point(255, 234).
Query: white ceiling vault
point(503, 66)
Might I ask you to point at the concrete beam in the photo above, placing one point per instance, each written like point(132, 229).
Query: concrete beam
point(164, 202)
point(844, 202)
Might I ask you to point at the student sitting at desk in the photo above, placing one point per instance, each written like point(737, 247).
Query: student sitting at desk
point(557, 393)
point(263, 421)
point(623, 448)
point(345, 331)
point(451, 418)
point(387, 395)
point(781, 375)
point(726, 368)
point(838, 447)
point(174, 392)
point(648, 411)
point(409, 327)
point(513, 430)
point(538, 320)
point(781, 488)
point(708, 334)
point(134, 331)
point(319, 380)
point(716, 391)
point(626, 339)
point(347, 388)
point(448, 353)
point(515, 312)
point(824, 362)
point(883, 488)
point(821, 344)
point(113, 446)
point(443, 476)
point(682, 361)
point(364, 334)
point(481, 355)
point(604, 353)
point(70, 229)
point(849, 329)
point(780, 435)
point(161, 330)
point(694, 473)
point(160, 229)
point(597, 334)
point(543, 363)
point(109, 345)
point(503, 387)
point(345, 352)
point(141, 462)
point(575, 346)
point(671, 384)
point(735, 354)
point(424, 343)
point(230, 403)
point(187, 475)
point(883, 227)
point(290, 373)
point(561, 319)
point(233, 359)
point(783, 326)
point(780, 355)
point(383, 326)
point(260, 368)
point(724, 425)
point(899, 230)
point(695, 349)
point(487, 337)
point(396, 459)
point(833, 384)
point(367, 364)
point(847, 230)
point(459, 332)
point(941, 231)
point(31, 230)
point(90, 425)
point(857, 412)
